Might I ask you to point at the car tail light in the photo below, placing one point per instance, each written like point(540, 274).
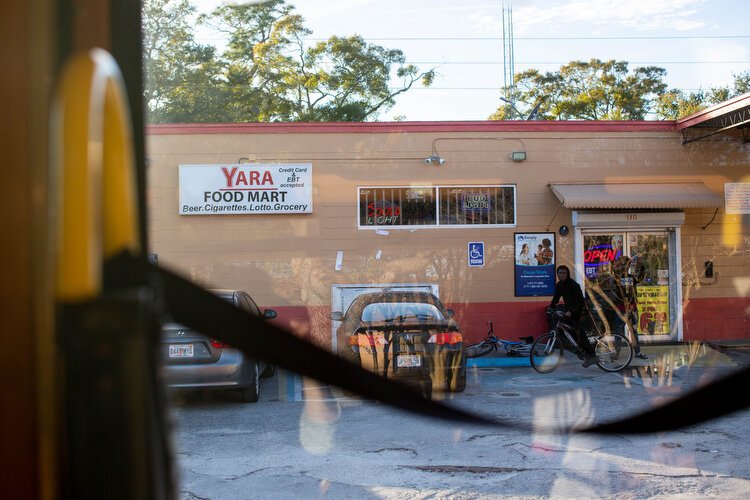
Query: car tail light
point(446, 338)
point(218, 344)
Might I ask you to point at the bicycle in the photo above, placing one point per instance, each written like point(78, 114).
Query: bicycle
point(492, 342)
point(613, 351)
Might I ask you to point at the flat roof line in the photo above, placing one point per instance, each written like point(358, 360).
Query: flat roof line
point(410, 127)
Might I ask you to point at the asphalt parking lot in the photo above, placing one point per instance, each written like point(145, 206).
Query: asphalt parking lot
point(332, 445)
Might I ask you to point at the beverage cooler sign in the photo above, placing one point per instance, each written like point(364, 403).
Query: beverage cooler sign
point(245, 189)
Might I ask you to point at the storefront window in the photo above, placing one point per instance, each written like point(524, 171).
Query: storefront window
point(472, 205)
point(397, 206)
point(458, 206)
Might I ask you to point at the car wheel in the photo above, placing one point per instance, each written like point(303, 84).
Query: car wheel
point(251, 393)
point(269, 371)
point(457, 382)
point(425, 388)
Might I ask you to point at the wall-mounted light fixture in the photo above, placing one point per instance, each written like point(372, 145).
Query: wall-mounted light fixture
point(518, 155)
point(244, 159)
point(434, 159)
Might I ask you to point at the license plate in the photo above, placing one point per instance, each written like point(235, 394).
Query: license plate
point(408, 361)
point(181, 351)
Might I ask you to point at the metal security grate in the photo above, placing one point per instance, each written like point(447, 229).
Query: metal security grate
point(477, 205)
point(418, 206)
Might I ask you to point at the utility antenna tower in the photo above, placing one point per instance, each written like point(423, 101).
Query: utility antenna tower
point(509, 60)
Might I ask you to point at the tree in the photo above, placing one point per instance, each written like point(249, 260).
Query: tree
point(741, 83)
point(269, 71)
point(356, 87)
point(597, 90)
point(180, 74)
point(676, 104)
point(593, 90)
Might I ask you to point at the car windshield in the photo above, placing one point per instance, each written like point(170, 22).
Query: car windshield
point(171, 325)
point(400, 311)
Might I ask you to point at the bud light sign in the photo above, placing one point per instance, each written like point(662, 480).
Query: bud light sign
point(475, 202)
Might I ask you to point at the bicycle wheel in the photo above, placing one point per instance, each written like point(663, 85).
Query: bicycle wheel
point(546, 353)
point(613, 352)
point(476, 350)
point(524, 350)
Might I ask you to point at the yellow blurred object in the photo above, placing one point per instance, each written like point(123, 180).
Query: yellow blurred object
point(93, 156)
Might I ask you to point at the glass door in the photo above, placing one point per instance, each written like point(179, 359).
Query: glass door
point(649, 253)
point(648, 272)
point(600, 252)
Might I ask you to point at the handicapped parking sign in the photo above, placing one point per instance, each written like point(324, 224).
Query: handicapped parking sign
point(476, 254)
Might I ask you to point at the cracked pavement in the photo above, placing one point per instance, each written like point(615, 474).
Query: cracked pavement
point(336, 446)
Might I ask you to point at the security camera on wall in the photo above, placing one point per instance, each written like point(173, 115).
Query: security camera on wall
point(434, 159)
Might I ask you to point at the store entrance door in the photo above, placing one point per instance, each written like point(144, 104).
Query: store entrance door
point(650, 270)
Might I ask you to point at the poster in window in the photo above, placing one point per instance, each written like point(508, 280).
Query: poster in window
point(534, 263)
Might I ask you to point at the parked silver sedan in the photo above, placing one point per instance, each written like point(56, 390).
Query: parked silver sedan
point(191, 360)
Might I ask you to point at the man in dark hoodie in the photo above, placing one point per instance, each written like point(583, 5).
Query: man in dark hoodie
point(570, 291)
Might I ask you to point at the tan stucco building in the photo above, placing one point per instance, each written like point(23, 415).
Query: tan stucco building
point(393, 204)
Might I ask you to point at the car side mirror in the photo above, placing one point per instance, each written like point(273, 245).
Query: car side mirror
point(337, 316)
point(269, 314)
point(449, 312)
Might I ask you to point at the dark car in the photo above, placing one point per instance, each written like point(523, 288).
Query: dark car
point(404, 335)
point(191, 360)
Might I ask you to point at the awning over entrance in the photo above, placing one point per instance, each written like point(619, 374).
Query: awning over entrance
point(637, 195)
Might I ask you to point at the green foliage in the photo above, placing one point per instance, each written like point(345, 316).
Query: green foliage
point(677, 104)
point(502, 113)
point(172, 90)
point(593, 90)
point(742, 83)
point(608, 90)
point(268, 72)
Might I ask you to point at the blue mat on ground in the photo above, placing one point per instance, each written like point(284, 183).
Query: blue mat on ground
point(498, 361)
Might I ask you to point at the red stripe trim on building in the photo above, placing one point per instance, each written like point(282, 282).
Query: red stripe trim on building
point(716, 319)
point(413, 127)
point(517, 319)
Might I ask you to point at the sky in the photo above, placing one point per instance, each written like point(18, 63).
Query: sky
point(701, 43)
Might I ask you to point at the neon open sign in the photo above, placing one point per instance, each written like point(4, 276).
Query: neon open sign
point(600, 254)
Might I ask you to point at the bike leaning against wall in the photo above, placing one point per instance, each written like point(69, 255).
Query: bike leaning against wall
point(613, 351)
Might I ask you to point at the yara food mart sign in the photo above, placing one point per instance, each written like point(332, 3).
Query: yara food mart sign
point(246, 188)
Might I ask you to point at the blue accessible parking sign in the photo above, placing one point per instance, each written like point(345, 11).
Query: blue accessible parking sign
point(476, 254)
